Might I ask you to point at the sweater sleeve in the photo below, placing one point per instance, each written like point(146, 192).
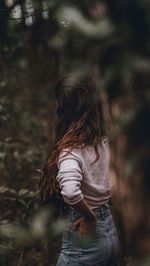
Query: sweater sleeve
point(69, 177)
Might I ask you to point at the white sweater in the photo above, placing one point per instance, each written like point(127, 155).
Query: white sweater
point(79, 179)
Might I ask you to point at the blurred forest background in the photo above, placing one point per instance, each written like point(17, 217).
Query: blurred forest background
point(40, 41)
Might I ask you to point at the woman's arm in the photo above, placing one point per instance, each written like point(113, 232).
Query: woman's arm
point(69, 178)
point(88, 221)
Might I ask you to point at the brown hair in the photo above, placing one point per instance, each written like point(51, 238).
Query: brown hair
point(79, 123)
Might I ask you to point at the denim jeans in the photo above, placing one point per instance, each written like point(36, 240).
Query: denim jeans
point(100, 249)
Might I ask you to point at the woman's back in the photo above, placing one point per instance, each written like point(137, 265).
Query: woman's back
point(79, 176)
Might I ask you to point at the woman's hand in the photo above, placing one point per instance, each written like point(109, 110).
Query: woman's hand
point(87, 227)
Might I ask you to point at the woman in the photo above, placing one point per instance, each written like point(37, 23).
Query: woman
point(76, 176)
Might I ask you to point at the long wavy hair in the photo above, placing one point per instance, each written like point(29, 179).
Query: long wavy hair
point(79, 123)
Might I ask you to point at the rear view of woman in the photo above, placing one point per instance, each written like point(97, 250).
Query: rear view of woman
point(76, 175)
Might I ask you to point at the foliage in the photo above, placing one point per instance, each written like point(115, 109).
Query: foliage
point(39, 42)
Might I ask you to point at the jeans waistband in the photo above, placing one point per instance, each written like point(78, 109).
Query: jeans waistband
point(101, 211)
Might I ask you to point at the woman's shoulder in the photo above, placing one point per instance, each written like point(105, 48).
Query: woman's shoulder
point(74, 154)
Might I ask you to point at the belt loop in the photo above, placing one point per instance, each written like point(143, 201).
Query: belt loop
point(102, 212)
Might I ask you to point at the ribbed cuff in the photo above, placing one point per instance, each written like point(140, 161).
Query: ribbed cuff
point(72, 202)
